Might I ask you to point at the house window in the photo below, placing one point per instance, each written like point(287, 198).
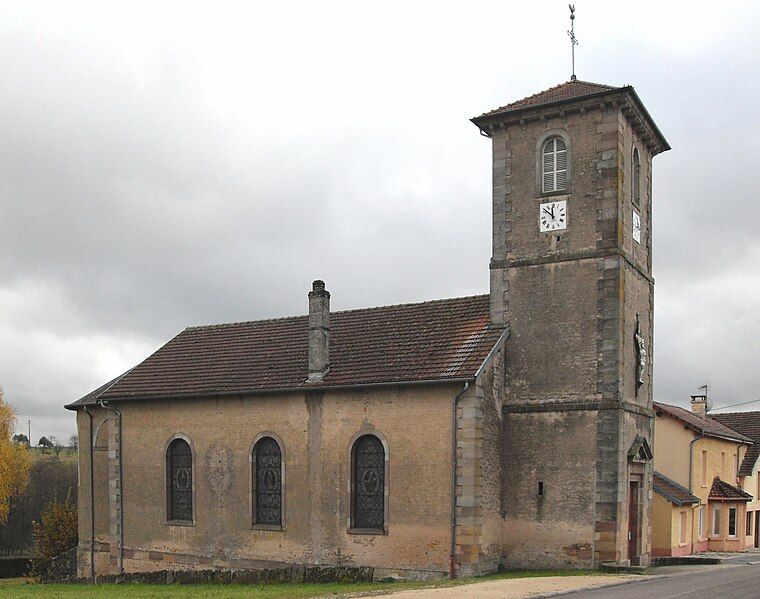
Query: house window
point(368, 484)
point(554, 165)
point(748, 529)
point(682, 525)
point(732, 522)
point(267, 482)
point(704, 468)
point(179, 470)
point(716, 521)
point(636, 177)
point(701, 522)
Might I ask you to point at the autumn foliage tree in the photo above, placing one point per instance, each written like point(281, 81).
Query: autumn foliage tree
point(56, 531)
point(14, 461)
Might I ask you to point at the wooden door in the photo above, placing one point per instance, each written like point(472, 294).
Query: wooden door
point(633, 523)
point(757, 529)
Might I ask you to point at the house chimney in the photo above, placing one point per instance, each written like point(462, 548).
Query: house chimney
point(699, 405)
point(319, 332)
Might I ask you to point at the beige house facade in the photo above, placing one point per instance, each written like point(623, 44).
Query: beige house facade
point(699, 503)
point(459, 436)
point(748, 424)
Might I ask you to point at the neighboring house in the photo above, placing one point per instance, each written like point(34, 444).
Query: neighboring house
point(416, 439)
point(698, 503)
point(748, 424)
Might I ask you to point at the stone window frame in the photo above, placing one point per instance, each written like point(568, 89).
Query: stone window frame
point(252, 481)
point(350, 529)
point(562, 133)
point(167, 483)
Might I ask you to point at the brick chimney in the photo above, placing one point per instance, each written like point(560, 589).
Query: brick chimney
point(699, 405)
point(319, 332)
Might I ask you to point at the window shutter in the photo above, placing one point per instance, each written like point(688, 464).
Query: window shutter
point(548, 166)
point(554, 165)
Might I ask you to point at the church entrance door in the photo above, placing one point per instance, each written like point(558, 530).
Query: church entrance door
point(633, 522)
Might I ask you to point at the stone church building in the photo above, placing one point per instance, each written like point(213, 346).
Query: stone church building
point(441, 438)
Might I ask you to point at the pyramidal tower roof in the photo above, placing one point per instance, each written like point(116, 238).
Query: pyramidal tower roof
point(576, 95)
point(570, 90)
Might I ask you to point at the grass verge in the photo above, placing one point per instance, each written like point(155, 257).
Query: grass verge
point(19, 588)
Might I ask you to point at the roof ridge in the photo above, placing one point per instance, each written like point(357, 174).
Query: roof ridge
point(370, 308)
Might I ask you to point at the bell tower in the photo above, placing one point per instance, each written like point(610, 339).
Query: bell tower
point(571, 276)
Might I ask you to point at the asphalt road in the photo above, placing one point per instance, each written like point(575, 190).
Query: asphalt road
point(730, 581)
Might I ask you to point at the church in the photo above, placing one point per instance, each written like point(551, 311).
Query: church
point(445, 438)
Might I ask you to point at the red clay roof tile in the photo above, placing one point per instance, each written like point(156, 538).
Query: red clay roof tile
point(431, 341)
point(707, 426)
point(722, 490)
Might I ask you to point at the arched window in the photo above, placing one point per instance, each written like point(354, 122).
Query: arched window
point(179, 484)
point(267, 482)
point(636, 176)
point(554, 165)
point(368, 484)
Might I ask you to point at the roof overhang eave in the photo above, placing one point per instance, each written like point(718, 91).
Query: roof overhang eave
point(278, 390)
point(657, 144)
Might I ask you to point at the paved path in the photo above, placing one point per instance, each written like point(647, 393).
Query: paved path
point(711, 582)
point(513, 588)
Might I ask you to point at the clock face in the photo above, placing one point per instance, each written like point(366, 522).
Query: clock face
point(636, 227)
point(552, 216)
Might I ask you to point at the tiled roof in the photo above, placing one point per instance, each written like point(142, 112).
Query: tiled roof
point(746, 423)
point(672, 491)
point(430, 341)
point(706, 426)
point(722, 490)
point(569, 90)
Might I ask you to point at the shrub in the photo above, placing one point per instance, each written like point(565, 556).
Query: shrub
point(56, 531)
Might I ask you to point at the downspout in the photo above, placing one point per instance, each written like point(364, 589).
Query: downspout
point(92, 501)
point(121, 490)
point(454, 403)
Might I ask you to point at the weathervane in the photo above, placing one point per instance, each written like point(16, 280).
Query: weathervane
point(573, 39)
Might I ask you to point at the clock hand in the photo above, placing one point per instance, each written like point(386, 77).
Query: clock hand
point(549, 213)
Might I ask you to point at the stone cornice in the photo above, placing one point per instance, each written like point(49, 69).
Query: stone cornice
point(569, 257)
point(624, 98)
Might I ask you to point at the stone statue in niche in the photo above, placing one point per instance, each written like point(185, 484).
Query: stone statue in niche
point(641, 353)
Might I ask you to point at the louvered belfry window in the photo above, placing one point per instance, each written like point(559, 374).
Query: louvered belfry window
point(180, 470)
point(267, 482)
point(554, 165)
point(369, 483)
point(636, 176)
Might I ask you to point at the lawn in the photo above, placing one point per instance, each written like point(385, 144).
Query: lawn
point(19, 588)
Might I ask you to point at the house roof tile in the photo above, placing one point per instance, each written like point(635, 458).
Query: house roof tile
point(722, 490)
point(443, 340)
point(672, 491)
point(748, 424)
point(706, 426)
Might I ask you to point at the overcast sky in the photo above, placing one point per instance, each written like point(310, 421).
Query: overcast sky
point(173, 165)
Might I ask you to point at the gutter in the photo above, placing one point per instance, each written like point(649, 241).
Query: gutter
point(92, 502)
point(453, 548)
point(103, 404)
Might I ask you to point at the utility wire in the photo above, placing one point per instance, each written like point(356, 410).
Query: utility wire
point(733, 405)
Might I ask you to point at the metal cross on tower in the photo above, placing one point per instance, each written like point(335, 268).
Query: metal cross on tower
point(573, 39)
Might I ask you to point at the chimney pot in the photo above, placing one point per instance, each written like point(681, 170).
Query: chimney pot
point(319, 332)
